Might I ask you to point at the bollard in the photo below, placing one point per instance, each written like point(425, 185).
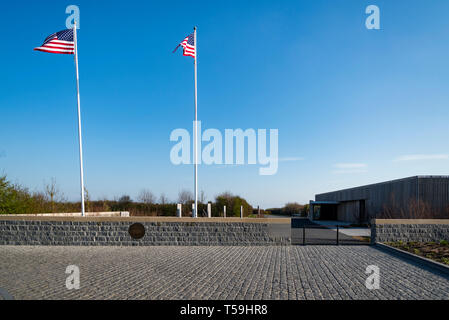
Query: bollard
point(337, 235)
point(179, 211)
point(193, 209)
point(209, 210)
point(224, 211)
point(241, 212)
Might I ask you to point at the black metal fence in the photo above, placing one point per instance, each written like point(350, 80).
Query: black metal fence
point(305, 232)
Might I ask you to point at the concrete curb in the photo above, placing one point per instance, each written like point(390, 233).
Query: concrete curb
point(405, 254)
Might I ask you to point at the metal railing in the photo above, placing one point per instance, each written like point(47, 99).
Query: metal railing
point(323, 234)
point(319, 227)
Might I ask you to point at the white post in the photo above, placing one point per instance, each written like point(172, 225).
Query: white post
point(241, 212)
point(224, 211)
point(179, 210)
point(195, 212)
point(193, 209)
point(79, 120)
point(209, 210)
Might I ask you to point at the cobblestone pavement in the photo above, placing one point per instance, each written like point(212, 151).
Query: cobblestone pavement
point(293, 272)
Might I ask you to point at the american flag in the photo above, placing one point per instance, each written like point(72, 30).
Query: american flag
point(59, 42)
point(189, 46)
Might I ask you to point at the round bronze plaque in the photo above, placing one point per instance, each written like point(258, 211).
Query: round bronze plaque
point(136, 230)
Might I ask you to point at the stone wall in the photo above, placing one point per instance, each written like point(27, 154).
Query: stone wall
point(82, 231)
point(407, 230)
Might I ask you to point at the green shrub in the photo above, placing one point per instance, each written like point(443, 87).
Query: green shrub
point(232, 204)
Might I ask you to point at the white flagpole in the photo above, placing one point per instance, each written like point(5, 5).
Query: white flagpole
point(195, 213)
point(79, 120)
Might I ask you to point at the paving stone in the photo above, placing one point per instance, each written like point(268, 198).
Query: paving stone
point(215, 272)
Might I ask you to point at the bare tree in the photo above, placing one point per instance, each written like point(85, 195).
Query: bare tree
point(87, 198)
point(53, 193)
point(163, 199)
point(202, 197)
point(185, 196)
point(104, 203)
point(413, 210)
point(146, 196)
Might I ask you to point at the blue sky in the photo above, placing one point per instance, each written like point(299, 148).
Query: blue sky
point(352, 106)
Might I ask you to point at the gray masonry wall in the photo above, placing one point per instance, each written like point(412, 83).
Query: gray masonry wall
point(115, 233)
point(409, 232)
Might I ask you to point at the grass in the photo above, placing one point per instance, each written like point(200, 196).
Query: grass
point(437, 251)
point(362, 238)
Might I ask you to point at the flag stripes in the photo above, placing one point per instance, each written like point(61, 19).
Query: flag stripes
point(60, 42)
point(189, 46)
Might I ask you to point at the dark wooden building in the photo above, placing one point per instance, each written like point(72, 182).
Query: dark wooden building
point(413, 197)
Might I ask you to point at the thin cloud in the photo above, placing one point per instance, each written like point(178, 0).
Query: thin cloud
point(349, 171)
point(350, 168)
point(290, 159)
point(418, 157)
point(350, 165)
point(224, 165)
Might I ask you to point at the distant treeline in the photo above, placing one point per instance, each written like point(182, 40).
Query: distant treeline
point(291, 208)
point(16, 199)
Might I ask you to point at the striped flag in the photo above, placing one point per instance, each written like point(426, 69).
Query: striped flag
point(66, 42)
point(189, 46)
point(59, 42)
